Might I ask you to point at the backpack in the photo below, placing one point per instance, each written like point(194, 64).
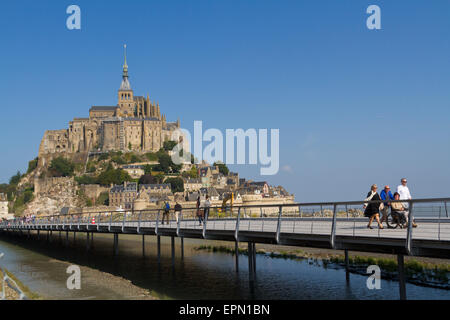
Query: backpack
point(167, 206)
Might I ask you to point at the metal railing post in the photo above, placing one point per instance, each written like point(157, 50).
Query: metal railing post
point(445, 206)
point(110, 222)
point(123, 222)
point(205, 219)
point(238, 221)
point(157, 223)
point(178, 223)
point(410, 229)
point(333, 227)
point(139, 222)
point(277, 237)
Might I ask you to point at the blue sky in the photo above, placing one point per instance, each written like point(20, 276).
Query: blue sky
point(354, 106)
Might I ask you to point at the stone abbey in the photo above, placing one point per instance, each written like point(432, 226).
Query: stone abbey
point(134, 124)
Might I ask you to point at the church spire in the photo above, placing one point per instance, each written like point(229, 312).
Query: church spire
point(125, 66)
point(125, 86)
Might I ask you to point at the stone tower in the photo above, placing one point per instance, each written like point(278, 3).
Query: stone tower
point(126, 98)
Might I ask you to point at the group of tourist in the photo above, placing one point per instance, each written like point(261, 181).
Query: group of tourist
point(201, 214)
point(399, 210)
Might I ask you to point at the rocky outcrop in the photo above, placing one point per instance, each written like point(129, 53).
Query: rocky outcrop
point(53, 194)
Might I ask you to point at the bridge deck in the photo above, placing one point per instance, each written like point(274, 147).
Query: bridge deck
point(430, 238)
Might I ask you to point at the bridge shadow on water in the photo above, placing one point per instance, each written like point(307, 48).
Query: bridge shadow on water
point(193, 277)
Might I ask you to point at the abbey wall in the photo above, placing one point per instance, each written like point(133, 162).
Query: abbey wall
point(134, 124)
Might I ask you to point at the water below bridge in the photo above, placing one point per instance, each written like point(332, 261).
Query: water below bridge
point(200, 275)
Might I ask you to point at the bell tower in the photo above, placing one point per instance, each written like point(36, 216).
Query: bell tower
point(125, 94)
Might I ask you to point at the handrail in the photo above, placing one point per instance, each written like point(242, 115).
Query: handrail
point(277, 237)
point(295, 204)
point(333, 228)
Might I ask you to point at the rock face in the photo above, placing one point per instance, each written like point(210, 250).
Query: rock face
point(53, 194)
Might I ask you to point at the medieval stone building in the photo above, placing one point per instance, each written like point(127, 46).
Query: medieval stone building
point(134, 124)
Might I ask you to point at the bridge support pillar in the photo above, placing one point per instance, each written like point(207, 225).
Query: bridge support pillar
point(347, 273)
point(92, 240)
point(48, 235)
point(172, 243)
point(116, 244)
point(236, 253)
point(29, 234)
point(251, 259)
point(88, 242)
point(67, 238)
point(74, 236)
point(60, 238)
point(38, 234)
point(182, 247)
point(143, 245)
point(401, 276)
point(159, 248)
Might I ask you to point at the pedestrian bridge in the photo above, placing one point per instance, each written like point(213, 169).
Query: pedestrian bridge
point(333, 225)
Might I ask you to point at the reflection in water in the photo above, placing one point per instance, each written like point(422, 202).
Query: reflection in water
point(200, 275)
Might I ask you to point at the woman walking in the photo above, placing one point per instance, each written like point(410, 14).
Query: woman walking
point(372, 210)
point(199, 214)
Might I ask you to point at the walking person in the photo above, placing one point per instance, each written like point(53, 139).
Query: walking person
point(166, 211)
point(206, 205)
point(372, 210)
point(178, 209)
point(199, 213)
point(386, 194)
point(404, 193)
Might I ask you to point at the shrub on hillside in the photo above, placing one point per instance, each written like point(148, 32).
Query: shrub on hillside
point(61, 167)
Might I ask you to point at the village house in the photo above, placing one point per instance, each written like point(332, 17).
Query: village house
point(192, 184)
point(123, 196)
point(135, 171)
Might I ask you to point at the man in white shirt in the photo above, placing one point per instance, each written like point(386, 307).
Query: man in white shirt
point(403, 190)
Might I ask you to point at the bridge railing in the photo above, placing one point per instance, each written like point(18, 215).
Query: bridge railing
point(331, 218)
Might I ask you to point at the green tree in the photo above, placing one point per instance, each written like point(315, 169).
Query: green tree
point(176, 184)
point(32, 165)
point(151, 156)
point(85, 179)
point(114, 176)
point(222, 168)
point(148, 169)
point(169, 145)
point(159, 177)
point(103, 199)
point(15, 179)
point(147, 179)
point(61, 167)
